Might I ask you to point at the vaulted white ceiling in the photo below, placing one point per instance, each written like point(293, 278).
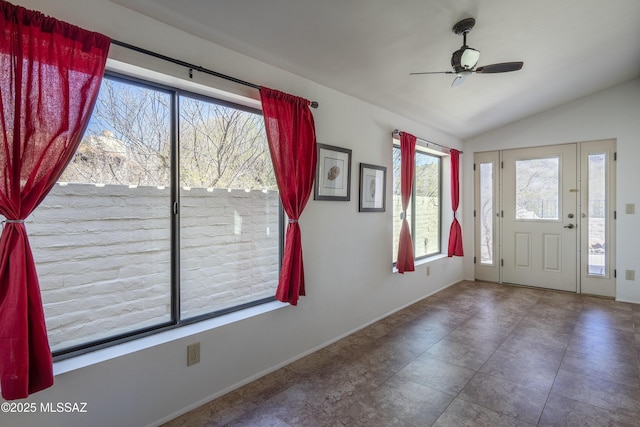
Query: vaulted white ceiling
point(367, 48)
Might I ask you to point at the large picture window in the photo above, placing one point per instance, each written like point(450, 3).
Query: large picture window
point(424, 212)
point(168, 213)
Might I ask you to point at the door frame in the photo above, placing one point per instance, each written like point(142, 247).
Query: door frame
point(493, 272)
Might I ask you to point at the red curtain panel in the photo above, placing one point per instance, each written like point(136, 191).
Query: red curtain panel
point(405, 261)
point(51, 74)
point(455, 233)
point(292, 144)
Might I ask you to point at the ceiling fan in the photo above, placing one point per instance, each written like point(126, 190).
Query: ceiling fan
point(465, 59)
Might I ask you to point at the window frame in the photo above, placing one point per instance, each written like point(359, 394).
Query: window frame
point(412, 206)
point(173, 209)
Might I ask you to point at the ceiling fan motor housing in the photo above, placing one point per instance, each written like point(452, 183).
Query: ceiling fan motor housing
point(464, 59)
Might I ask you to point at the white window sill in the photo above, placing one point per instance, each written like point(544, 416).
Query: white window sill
point(118, 350)
point(424, 261)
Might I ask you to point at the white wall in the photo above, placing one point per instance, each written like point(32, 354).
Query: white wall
point(347, 254)
point(612, 113)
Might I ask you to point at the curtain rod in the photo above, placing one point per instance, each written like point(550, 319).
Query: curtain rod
point(191, 67)
point(398, 133)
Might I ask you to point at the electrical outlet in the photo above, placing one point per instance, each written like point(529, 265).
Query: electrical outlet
point(630, 274)
point(193, 354)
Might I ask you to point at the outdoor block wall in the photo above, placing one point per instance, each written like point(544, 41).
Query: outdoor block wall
point(103, 255)
point(426, 236)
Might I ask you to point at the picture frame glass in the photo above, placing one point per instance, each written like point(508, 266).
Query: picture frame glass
point(333, 173)
point(372, 188)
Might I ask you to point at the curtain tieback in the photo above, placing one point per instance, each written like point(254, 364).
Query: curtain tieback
point(12, 221)
point(403, 215)
point(293, 221)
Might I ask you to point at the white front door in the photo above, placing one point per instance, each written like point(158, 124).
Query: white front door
point(540, 217)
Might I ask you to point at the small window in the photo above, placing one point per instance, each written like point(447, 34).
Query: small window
point(597, 213)
point(424, 211)
point(486, 213)
point(538, 189)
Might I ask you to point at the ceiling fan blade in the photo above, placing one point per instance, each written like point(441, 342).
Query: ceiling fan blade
point(503, 67)
point(432, 72)
point(458, 81)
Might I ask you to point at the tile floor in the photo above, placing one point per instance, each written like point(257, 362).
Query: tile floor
point(476, 354)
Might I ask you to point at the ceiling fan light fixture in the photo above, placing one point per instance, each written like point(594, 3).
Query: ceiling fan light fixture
point(469, 57)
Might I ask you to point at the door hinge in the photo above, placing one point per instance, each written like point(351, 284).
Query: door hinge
point(502, 263)
point(474, 260)
point(474, 166)
point(615, 214)
point(501, 214)
point(615, 156)
point(501, 165)
point(474, 213)
point(615, 273)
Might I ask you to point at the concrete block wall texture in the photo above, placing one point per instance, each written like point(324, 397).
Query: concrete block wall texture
point(103, 255)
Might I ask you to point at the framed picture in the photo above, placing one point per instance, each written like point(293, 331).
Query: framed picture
point(333, 174)
point(372, 188)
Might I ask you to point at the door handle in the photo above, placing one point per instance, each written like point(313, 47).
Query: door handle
point(570, 226)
